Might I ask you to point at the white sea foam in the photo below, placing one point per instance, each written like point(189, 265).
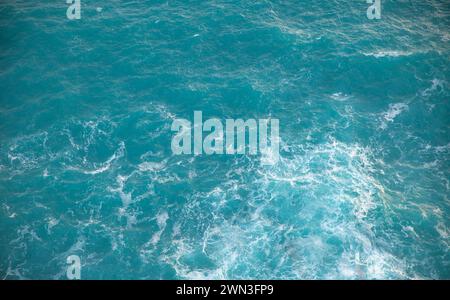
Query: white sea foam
point(442, 230)
point(347, 169)
point(152, 166)
point(340, 96)
point(393, 111)
point(161, 219)
point(103, 167)
point(389, 53)
point(436, 85)
point(15, 272)
point(51, 222)
point(369, 264)
point(125, 197)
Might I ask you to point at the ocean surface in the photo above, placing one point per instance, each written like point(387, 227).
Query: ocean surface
point(361, 190)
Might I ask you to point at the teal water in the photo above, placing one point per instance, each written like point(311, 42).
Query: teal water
point(361, 190)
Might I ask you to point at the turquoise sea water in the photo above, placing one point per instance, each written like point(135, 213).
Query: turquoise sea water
point(361, 190)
